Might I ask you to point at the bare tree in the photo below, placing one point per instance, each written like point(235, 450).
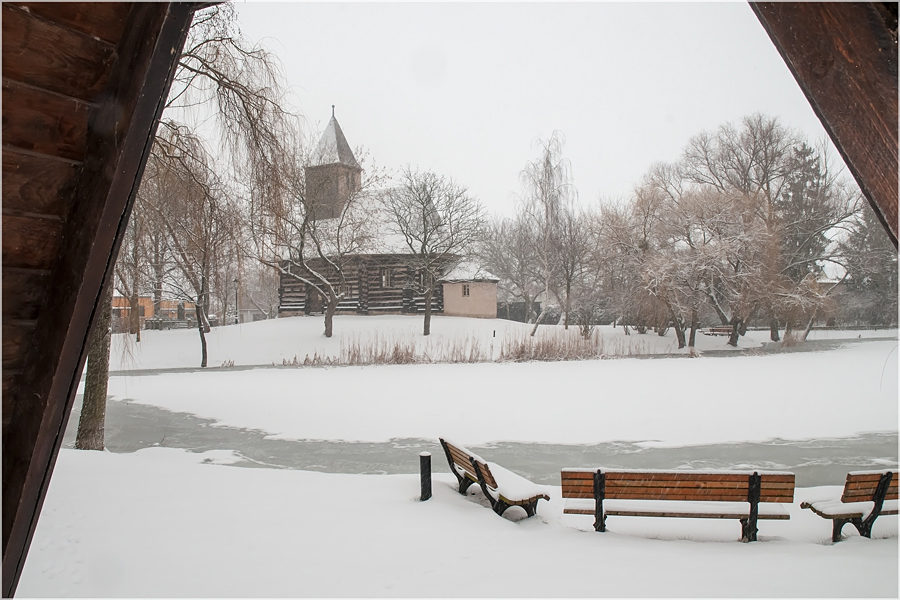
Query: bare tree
point(292, 234)
point(199, 217)
point(92, 421)
point(548, 189)
point(573, 248)
point(506, 251)
point(439, 223)
point(129, 269)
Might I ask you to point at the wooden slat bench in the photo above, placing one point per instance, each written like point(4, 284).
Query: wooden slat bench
point(867, 495)
point(502, 487)
point(699, 494)
point(718, 330)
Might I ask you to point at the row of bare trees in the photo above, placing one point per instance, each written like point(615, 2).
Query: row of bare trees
point(751, 224)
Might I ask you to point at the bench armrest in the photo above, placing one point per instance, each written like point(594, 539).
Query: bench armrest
point(515, 487)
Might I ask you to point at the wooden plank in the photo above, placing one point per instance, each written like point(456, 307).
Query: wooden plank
point(16, 337)
point(678, 483)
point(488, 476)
point(23, 292)
point(36, 184)
point(31, 243)
point(54, 58)
point(866, 478)
point(869, 478)
point(122, 129)
point(677, 476)
point(845, 59)
point(103, 20)
point(690, 515)
point(674, 476)
point(699, 495)
point(43, 122)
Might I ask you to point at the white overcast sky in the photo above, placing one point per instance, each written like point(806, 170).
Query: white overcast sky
point(465, 90)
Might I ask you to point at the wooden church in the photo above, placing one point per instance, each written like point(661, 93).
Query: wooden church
point(385, 282)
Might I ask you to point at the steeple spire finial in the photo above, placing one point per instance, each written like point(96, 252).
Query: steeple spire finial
point(332, 111)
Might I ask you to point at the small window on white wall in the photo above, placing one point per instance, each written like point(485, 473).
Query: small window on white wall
point(465, 289)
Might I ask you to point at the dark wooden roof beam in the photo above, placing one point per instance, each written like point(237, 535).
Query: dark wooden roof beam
point(844, 56)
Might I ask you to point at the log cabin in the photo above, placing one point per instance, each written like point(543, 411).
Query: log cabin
point(383, 282)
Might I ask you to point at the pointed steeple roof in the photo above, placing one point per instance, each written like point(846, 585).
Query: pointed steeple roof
point(333, 147)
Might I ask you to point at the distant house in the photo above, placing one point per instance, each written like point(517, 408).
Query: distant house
point(385, 282)
point(172, 310)
point(470, 292)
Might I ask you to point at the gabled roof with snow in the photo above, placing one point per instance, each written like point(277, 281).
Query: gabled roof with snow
point(468, 271)
point(333, 147)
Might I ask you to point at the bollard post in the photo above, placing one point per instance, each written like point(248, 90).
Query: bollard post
point(425, 474)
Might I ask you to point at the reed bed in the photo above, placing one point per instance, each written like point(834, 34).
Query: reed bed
point(548, 345)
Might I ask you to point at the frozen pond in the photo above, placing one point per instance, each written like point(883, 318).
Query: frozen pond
point(130, 427)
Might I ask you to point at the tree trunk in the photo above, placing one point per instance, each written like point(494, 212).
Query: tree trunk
point(568, 303)
point(809, 325)
point(695, 323)
point(539, 319)
point(135, 316)
point(426, 330)
point(329, 315)
point(92, 423)
point(198, 310)
point(773, 330)
point(735, 331)
point(679, 329)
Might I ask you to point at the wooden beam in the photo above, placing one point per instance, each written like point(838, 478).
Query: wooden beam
point(844, 56)
point(120, 134)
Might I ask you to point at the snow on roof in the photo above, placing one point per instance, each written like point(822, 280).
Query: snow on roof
point(333, 147)
point(468, 271)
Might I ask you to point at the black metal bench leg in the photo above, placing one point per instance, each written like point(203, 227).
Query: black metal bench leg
point(499, 506)
point(863, 527)
point(464, 483)
point(838, 525)
point(530, 508)
point(748, 525)
point(748, 530)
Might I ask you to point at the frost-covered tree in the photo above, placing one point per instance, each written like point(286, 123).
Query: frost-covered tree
point(548, 190)
point(438, 221)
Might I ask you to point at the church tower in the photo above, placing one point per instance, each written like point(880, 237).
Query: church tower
point(335, 175)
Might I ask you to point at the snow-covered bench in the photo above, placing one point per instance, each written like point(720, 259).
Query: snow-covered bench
point(502, 487)
point(743, 495)
point(867, 495)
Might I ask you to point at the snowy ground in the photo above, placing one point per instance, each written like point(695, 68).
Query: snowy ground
point(162, 523)
point(165, 522)
point(272, 342)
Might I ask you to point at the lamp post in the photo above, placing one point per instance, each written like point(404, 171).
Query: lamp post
point(237, 311)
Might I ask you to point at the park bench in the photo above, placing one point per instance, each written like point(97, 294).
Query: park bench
point(867, 495)
point(502, 487)
point(718, 330)
point(686, 494)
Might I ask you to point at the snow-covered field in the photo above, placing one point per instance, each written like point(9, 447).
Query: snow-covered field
point(164, 522)
point(272, 342)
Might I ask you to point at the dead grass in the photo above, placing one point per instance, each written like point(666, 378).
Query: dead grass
point(792, 339)
point(548, 345)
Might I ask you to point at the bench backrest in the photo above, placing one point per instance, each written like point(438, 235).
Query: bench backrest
point(461, 458)
point(861, 486)
point(677, 485)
